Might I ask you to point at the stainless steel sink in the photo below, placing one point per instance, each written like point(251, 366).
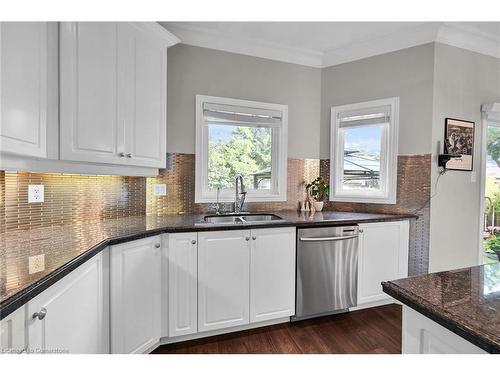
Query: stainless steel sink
point(240, 218)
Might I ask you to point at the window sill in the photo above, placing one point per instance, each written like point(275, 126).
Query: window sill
point(358, 199)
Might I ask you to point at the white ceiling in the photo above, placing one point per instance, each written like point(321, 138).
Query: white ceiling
point(323, 44)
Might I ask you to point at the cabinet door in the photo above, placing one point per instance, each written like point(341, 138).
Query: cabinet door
point(23, 88)
point(12, 332)
point(223, 279)
point(383, 255)
point(272, 274)
point(73, 313)
point(145, 56)
point(135, 295)
point(91, 79)
point(182, 284)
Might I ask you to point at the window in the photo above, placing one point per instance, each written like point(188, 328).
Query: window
point(240, 137)
point(364, 148)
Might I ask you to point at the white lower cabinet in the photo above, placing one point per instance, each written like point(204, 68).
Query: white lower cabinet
point(13, 333)
point(223, 279)
point(422, 335)
point(135, 291)
point(182, 284)
point(383, 255)
point(72, 315)
point(272, 274)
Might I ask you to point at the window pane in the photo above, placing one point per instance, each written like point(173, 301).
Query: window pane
point(239, 149)
point(362, 147)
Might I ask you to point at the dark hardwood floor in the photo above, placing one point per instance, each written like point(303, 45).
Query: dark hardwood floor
point(375, 330)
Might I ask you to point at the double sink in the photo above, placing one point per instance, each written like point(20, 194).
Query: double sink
point(241, 218)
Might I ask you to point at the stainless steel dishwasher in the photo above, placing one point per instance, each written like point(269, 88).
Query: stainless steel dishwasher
point(327, 270)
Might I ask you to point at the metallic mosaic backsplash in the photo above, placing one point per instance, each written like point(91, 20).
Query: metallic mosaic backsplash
point(69, 199)
point(179, 178)
point(79, 198)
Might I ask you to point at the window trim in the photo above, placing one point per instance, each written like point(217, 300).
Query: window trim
point(388, 158)
point(279, 157)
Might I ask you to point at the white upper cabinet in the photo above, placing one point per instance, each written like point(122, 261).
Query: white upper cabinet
point(113, 92)
point(135, 290)
point(146, 96)
point(91, 81)
point(272, 274)
point(27, 50)
point(223, 279)
point(383, 255)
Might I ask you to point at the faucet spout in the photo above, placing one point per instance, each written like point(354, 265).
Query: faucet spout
point(239, 201)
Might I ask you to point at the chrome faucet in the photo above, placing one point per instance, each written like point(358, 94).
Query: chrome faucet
point(216, 206)
point(239, 201)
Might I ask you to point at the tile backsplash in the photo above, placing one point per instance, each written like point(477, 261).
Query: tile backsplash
point(80, 198)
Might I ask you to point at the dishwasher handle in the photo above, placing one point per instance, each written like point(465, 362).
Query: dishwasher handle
point(333, 238)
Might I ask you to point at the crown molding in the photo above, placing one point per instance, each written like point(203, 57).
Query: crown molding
point(406, 38)
point(457, 34)
point(208, 38)
point(468, 37)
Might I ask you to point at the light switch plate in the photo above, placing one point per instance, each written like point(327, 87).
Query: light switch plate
point(159, 190)
point(36, 263)
point(35, 194)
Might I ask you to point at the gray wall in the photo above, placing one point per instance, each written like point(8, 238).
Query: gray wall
point(463, 80)
point(406, 73)
point(195, 70)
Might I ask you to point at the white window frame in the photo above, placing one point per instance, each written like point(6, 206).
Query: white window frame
point(388, 156)
point(279, 156)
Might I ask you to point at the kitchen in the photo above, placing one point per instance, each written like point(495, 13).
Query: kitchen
point(182, 187)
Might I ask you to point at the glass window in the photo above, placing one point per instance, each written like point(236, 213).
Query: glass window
point(361, 167)
point(239, 150)
point(240, 137)
point(363, 162)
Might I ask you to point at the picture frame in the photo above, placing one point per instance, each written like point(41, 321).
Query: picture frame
point(459, 140)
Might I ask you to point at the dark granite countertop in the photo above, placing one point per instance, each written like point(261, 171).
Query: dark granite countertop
point(465, 301)
point(67, 247)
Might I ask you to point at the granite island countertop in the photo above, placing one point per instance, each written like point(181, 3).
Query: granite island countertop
point(67, 246)
point(465, 301)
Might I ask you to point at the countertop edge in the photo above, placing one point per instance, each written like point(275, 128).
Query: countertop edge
point(418, 304)
point(17, 300)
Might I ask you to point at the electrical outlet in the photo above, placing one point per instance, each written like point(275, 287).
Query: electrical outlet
point(36, 263)
point(159, 189)
point(35, 194)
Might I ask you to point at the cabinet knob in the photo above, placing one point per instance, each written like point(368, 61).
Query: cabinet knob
point(360, 230)
point(193, 242)
point(121, 154)
point(157, 245)
point(129, 155)
point(254, 238)
point(247, 238)
point(41, 314)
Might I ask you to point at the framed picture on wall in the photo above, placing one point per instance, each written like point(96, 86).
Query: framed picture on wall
point(459, 140)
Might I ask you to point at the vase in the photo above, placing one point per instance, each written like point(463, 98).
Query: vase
point(318, 206)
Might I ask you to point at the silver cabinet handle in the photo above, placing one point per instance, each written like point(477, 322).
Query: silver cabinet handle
point(157, 245)
point(335, 238)
point(129, 155)
point(121, 154)
point(193, 242)
point(247, 238)
point(41, 314)
point(254, 238)
point(360, 230)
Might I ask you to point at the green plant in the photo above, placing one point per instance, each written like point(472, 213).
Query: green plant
point(492, 244)
point(318, 189)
